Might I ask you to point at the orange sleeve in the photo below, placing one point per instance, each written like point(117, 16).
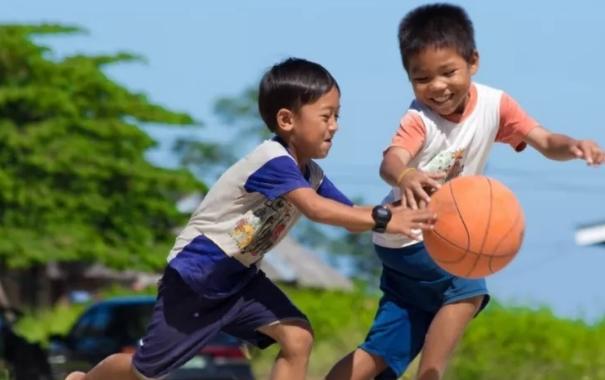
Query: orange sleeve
point(410, 135)
point(515, 123)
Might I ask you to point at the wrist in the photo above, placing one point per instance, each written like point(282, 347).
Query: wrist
point(403, 174)
point(381, 215)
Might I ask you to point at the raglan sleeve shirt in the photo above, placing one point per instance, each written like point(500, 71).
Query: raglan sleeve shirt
point(514, 125)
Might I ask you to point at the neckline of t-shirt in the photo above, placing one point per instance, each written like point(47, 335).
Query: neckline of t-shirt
point(307, 172)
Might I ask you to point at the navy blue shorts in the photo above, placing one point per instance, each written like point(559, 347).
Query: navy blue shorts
point(414, 289)
point(183, 322)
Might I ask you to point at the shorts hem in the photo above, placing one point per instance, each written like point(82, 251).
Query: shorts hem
point(464, 296)
point(286, 319)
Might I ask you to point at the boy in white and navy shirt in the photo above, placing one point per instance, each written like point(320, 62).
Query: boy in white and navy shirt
point(212, 282)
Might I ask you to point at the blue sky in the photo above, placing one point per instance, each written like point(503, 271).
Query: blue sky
point(548, 55)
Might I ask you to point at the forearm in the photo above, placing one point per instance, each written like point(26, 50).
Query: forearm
point(393, 164)
point(327, 211)
point(558, 147)
point(354, 219)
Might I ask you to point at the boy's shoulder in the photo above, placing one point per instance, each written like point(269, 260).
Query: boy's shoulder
point(274, 151)
point(485, 90)
point(269, 149)
point(265, 152)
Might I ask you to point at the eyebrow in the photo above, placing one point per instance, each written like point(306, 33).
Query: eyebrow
point(421, 71)
point(327, 107)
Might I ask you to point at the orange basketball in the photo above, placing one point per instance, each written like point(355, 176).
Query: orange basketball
point(479, 227)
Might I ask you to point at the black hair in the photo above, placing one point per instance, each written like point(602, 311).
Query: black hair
point(436, 26)
point(291, 84)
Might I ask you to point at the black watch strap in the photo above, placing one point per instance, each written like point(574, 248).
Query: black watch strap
point(381, 215)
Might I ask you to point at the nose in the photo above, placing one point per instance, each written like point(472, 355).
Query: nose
point(437, 85)
point(333, 126)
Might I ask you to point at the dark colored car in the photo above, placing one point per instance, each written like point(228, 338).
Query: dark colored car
point(117, 324)
point(20, 359)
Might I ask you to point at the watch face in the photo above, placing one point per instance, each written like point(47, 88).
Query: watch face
point(381, 213)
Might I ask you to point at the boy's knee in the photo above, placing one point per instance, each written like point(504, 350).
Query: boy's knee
point(297, 340)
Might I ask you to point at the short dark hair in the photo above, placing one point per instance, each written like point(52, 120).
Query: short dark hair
point(291, 84)
point(436, 26)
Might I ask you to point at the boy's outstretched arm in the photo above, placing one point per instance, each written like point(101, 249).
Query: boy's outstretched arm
point(357, 219)
point(562, 147)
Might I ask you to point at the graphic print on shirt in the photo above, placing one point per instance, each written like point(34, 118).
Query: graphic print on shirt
point(259, 229)
point(450, 162)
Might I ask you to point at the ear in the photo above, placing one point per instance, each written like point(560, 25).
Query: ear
point(474, 62)
point(285, 119)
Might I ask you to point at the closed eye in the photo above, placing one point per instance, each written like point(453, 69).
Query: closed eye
point(421, 79)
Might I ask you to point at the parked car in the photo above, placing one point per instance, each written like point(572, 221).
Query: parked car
point(117, 324)
point(20, 359)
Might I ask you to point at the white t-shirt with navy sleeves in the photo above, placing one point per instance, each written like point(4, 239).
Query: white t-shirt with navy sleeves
point(244, 215)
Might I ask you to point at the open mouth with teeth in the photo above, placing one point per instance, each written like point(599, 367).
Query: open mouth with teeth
point(442, 99)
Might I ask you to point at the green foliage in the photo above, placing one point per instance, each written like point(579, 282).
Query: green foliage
point(525, 344)
point(74, 182)
point(340, 321)
point(39, 325)
point(502, 343)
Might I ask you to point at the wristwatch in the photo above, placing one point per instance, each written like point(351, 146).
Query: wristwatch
point(381, 215)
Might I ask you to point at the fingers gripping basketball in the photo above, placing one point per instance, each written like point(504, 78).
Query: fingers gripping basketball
point(479, 229)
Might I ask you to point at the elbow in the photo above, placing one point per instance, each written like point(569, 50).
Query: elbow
point(383, 171)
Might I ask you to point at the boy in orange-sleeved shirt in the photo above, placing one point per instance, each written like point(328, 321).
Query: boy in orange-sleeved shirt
point(448, 130)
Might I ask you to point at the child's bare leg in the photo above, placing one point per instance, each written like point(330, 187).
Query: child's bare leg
point(115, 367)
point(295, 339)
point(443, 335)
point(358, 365)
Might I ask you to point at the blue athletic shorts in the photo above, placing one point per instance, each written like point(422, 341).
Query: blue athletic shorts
point(183, 321)
point(414, 289)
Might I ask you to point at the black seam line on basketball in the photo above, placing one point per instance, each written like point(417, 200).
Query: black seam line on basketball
point(489, 220)
point(468, 234)
point(455, 246)
point(474, 266)
point(466, 251)
point(489, 214)
point(513, 225)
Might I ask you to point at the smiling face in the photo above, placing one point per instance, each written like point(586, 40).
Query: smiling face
point(308, 132)
point(441, 79)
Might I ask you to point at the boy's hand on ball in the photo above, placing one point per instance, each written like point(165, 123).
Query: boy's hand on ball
point(410, 222)
point(417, 186)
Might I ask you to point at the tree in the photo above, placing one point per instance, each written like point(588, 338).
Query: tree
point(74, 181)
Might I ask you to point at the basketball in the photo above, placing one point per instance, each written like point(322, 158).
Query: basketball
point(479, 228)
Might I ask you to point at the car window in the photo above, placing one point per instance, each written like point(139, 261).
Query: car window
point(130, 321)
point(93, 323)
